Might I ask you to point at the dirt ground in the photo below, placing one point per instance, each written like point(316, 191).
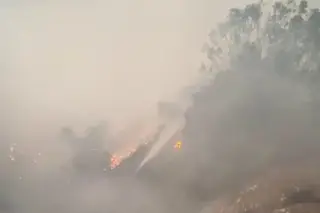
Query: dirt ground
point(286, 189)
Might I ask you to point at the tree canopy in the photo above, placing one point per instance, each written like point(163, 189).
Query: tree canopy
point(283, 37)
point(261, 108)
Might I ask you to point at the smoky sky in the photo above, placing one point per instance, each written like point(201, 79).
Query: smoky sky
point(77, 63)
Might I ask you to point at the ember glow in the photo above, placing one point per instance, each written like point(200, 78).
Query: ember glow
point(115, 161)
point(178, 145)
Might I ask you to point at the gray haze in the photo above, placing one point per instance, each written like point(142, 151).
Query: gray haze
point(77, 63)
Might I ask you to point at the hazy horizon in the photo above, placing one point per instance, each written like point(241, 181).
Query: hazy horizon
point(75, 63)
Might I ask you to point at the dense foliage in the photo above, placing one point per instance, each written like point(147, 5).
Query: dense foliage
point(261, 109)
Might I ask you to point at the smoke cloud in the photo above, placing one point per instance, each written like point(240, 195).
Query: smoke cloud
point(74, 65)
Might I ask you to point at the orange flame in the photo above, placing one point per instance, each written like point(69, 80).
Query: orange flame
point(178, 145)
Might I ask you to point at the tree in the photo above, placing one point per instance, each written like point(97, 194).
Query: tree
point(257, 113)
point(89, 153)
point(288, 32)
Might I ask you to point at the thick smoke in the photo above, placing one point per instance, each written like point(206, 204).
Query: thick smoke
point(72, 64)
point(260, 112)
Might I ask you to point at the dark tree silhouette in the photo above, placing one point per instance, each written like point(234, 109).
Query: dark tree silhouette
point(261, 109)
point(89, 153)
